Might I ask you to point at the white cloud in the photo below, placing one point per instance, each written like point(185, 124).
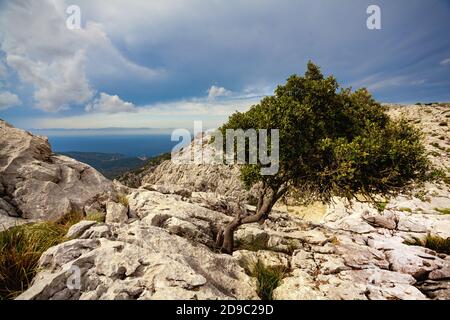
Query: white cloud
point(445, 62)
point(176, 114)
point(8, 100)
point(110, 104)
point(54, 59)
point(57, 84)
point(216, 92)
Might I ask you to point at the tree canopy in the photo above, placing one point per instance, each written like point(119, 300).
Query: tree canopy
point(332, 142)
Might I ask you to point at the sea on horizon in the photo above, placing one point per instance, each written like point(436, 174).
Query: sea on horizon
point(127, 145)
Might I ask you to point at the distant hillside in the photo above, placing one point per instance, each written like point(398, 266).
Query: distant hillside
point(111, 165)
point(132, 178)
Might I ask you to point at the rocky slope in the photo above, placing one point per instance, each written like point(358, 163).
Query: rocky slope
point(35, 184)
point(160, 245)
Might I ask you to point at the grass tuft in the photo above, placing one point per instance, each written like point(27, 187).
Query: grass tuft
point(443, 210)
point(22, 246)
point(95, 216)
point(434, 243)
point(20, 250)
point(268, 279)
point(122, 198)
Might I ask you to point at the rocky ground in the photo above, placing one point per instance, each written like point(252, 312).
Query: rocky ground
point(35, 184)
point(159, 244)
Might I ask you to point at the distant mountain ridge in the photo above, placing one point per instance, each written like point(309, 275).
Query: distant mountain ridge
point(111, 165)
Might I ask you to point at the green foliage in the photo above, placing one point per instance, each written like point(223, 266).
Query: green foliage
point(443, 210)
point(404, 209)
point(381, 206)
point(22, 246)
point(432, 242)
point(20, 250)
point(269, 278)
point(69, 219)
point(333, 142)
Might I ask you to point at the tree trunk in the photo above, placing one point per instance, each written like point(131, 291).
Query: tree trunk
point(267, 199)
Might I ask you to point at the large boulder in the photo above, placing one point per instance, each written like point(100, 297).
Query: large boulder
point(140, 262)
point(37, 184)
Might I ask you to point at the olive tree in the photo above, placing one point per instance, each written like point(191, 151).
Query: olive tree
point(332, 142)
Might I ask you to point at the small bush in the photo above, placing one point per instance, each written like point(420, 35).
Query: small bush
point(443, 124)
point(434, 243)
point(443, 210)
point(122, 198)
point(268, 279)
point(405, 209)
point(381, 206)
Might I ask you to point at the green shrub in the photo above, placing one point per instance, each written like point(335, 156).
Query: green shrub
point(405, 209)
point(432, 242)
point(443, 210)
point(269, 278)
point(333, 141)
point(381, 206)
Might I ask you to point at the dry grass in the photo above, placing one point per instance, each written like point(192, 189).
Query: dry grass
point(95, 216)
point(432, 242)
point(22, 246)
point(122, 198)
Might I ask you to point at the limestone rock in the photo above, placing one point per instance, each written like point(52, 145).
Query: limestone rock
point(40, 184)
point(78, 229)
point(270, 259)
point(116, 213)
point(155, 265)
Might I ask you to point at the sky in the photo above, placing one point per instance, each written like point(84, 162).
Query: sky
point(168, 63)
